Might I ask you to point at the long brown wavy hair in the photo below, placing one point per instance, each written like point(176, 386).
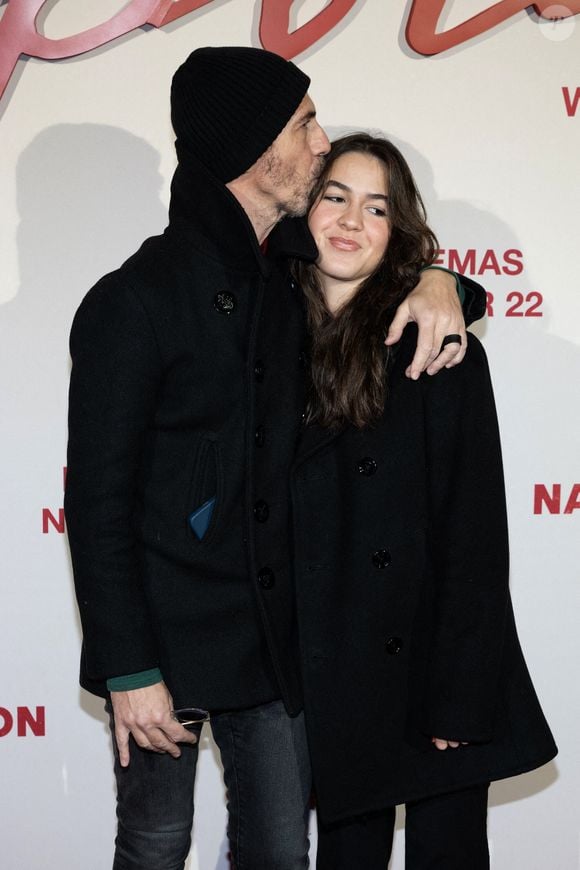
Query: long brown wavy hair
point(349, 360)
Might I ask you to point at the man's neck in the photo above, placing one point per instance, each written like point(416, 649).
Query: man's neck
point(261, 211)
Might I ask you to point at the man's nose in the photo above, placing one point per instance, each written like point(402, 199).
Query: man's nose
point(321, 142)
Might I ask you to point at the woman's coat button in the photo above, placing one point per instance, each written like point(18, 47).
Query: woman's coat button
point(394, 645)
point(261, 511)
point(366, 466)
point(266, 578)
point(381, 559)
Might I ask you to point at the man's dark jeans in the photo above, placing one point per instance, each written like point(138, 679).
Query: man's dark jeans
point(267, 774)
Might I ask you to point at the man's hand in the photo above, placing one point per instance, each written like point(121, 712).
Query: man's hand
point(435, 307)
point(146, 714)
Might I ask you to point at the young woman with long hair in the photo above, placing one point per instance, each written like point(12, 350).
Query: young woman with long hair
point(416, 690)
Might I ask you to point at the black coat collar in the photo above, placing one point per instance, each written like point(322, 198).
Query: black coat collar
point(291, 238)
point(202, 204)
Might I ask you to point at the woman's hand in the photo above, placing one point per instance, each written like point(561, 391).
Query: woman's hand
point(441, 743)
point(435, 307)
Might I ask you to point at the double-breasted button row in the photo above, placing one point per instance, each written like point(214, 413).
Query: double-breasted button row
point(266, 578)
point(366, 466)
point(224, 302)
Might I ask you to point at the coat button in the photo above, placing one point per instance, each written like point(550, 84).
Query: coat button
point(366, 466)
point(381, 559)
point(302, 360)
point(259, 369)
point(394, 645)
point(261, 511)
point(260, 436)
point(266, 578)
point(224, 302)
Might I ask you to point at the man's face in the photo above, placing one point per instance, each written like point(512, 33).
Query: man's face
point(288, 169)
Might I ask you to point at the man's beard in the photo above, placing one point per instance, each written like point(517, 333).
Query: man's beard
point(295, 188)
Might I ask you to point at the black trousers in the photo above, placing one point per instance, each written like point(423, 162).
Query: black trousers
point(445, 832)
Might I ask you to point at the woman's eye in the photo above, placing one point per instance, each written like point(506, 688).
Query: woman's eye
point(333, 197)
point(380, 212)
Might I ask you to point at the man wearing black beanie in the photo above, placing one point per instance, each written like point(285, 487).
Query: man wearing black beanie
point(185, 407)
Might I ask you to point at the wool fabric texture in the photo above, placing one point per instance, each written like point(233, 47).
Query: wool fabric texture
point(228, 105)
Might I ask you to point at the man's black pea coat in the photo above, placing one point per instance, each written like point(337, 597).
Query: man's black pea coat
point(186, 385)
point(406, 624)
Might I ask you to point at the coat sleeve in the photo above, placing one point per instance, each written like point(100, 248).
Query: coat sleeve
point(116, 373)
point(474, 299)
point(469, 549)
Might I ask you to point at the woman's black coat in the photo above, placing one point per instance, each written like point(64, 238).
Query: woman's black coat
point(406, 624)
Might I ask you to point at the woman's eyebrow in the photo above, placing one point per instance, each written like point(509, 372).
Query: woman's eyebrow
point(348, 189)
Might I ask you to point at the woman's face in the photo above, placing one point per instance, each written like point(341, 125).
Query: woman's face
point(350, 225)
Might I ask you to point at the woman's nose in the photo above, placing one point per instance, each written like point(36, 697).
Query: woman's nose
point(351, 218)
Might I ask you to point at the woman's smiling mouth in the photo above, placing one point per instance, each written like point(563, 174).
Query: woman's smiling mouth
point(342, 244)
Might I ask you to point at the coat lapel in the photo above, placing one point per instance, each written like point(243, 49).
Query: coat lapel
point(312, 440)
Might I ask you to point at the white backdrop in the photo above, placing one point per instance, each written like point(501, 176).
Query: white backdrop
point(492, 130)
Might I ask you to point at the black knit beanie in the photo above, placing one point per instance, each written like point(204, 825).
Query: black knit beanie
point(229, 104)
